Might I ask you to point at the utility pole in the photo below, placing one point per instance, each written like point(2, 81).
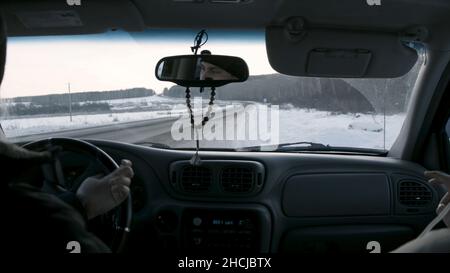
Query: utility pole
point(70, 102)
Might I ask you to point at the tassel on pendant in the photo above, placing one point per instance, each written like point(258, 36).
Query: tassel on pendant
point(196, 160)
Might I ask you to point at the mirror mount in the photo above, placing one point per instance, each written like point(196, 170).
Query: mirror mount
point(198, 41)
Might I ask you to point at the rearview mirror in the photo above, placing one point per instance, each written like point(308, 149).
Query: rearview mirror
point(202, 70)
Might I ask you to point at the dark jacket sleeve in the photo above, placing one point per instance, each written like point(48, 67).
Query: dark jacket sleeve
point(43, 222)
point(70, 198)
point(34, 221)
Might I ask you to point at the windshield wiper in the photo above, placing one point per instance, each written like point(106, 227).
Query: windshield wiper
point(153, 144)
point(285, 147)
point(311, 147)
point(297, 145)
point(301, 146)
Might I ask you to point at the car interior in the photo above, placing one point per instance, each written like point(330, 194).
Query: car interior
point(312, 198)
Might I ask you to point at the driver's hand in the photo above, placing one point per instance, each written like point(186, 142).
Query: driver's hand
point(100, 195)
point(441, 178)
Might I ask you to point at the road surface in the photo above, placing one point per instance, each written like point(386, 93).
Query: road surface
point(154, 131)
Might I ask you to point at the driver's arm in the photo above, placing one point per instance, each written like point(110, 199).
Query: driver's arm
point(435, 241)
point(71, 198)
point(41, 221)
point(95, 196)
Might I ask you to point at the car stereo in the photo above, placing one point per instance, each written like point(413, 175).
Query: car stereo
point(236, 230)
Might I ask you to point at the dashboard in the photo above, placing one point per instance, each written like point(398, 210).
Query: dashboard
point(272, 202)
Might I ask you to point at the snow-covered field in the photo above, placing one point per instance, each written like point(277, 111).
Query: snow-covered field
point(363, 131)
point(303, 125)
point(354, 130)
point(154, 102)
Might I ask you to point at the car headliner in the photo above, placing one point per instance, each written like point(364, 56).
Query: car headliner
point(99, 15)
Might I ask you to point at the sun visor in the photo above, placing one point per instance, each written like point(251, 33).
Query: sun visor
point(24, 18)
point(338, 53)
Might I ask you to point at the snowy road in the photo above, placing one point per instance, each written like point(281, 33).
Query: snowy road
point(157, 130)
point(132, 132)
point(295, 124)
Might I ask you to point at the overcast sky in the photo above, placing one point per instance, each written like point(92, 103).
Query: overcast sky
point(37, 66)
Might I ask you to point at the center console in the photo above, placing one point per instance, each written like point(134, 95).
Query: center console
point(237, 230)
point(219, 229)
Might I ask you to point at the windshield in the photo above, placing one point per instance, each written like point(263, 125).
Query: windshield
point(104, 87)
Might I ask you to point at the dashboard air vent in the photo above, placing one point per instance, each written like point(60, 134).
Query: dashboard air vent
point(196, 179)
point(414, 194)
point(237, 180)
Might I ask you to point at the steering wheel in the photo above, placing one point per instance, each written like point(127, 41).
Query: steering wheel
point(113, 227)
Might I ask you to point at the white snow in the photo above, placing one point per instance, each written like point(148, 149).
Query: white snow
point(151, 101)
point(352, 130)
point(27, 126)
point(371, 127)
point(336, 130)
